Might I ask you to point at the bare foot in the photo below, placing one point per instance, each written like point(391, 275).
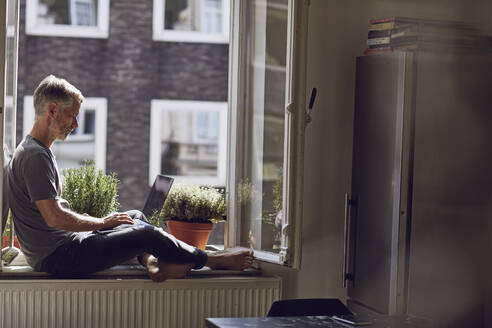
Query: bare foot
point(159, 270)
point(238, 260)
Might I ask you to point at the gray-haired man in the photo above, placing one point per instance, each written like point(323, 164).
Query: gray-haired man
point(57, 240)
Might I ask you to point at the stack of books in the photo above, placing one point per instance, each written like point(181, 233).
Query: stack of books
point(388, 34)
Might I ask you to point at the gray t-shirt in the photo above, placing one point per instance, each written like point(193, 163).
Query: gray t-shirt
point(33, 175)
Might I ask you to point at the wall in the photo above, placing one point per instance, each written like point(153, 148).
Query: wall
point(327, 154)
point(337, 34)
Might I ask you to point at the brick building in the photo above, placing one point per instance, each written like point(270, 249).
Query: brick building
point(137, 62)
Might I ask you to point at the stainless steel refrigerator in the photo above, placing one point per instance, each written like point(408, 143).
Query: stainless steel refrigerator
point(419, 213)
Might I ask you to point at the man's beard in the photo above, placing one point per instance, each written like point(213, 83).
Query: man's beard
point(64, 135)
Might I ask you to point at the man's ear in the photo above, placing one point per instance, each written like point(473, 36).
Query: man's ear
point(52, 109)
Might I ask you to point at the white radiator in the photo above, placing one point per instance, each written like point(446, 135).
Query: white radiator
point(133, 303)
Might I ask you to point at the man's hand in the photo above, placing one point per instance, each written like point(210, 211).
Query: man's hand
point(116, 219)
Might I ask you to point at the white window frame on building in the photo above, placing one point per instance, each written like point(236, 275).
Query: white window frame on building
point(100, 30)
point(294, 125)
point(100, 105)
point(158, 107)
point(162, 34)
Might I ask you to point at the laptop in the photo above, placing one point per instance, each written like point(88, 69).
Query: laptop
point(157, 195)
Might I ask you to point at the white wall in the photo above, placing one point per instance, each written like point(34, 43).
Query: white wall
point(327, 154)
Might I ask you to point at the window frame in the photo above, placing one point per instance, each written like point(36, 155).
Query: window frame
point(294, 126)
point(79, 134)
point(7, 31)
point(159, 33)
point(101, 30)
point(159, 105)
point(100, 134)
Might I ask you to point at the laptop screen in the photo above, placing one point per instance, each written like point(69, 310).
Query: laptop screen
point(157, 195)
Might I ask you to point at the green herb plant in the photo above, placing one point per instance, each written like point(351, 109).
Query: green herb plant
point(89, 190)
point(193, 203)
point(6, 227)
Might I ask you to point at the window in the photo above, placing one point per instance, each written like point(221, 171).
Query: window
point(266, 136)
point(188, 141)
point(9, 32)
point(191, 20)
point(11, 76)
point(8, 130)
point(69, 18)
point(87, 142)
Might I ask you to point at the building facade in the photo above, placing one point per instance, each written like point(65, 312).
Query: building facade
point(134, 75)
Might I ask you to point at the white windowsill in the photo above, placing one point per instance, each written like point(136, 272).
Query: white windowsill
point(67, 31)
point(189, 37)
point(131, 269)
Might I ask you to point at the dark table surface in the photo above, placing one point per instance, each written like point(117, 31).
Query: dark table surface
point(320, 321)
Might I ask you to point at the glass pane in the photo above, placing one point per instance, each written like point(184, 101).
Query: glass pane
point(207, 126)
point(9, 132)
point(67, 12)
point(194, 15)
point(260, 186)
point(73, 153)
point(189, 143)
point(89, 122)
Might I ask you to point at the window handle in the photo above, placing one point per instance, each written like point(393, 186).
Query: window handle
point(347, 275)
point(308, 117)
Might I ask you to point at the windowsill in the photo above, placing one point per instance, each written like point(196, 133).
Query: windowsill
point(189, 37)
point(68, 31)
point(19, 269)
point(264, 256)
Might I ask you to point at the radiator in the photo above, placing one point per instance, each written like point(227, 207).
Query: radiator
point(133, 303)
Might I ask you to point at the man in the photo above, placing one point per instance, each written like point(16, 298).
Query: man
point(57, 240)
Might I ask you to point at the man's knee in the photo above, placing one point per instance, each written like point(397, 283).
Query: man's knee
point(137, 215)
point(151, 234)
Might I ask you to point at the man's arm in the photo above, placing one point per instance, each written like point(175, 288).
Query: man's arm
point(56, 216)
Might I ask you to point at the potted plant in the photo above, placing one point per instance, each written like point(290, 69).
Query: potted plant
point(6, 234)
point(90, 191)
point(269, 222)
point(190, 212)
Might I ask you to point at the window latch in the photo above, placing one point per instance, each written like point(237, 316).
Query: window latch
point(308, 118)
point(284, 254)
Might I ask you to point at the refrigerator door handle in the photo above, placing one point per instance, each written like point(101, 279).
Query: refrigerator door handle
point(346, 275)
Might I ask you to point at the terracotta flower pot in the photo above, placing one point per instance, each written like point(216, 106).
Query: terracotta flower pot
point(6, 242)
point(192, 233)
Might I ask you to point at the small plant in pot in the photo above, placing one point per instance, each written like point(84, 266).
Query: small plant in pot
point(90, 191)
point(190, 212)
point(6, 233)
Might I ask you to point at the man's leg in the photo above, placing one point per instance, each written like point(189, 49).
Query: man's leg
point(171, 258)
point(160, 268)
